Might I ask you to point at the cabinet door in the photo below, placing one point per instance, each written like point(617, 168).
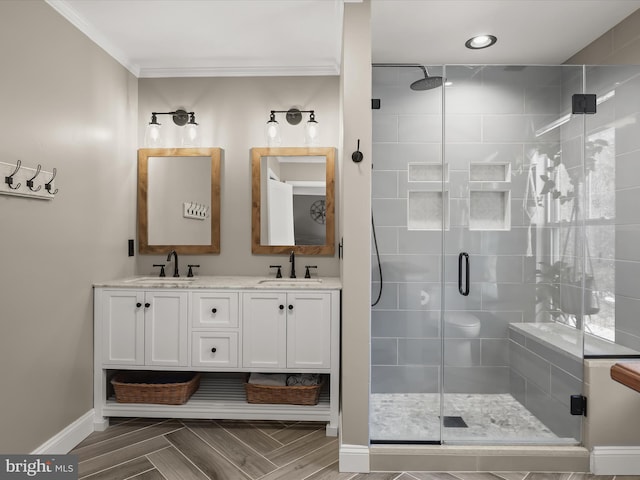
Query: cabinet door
point(308, 330)
point(264, 330)
point(122, 327)
point(166, 328)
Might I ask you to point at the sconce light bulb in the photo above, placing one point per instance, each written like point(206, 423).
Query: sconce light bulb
point(312, 131)
point(272, 131)
point(190, 135)
point(152, 136)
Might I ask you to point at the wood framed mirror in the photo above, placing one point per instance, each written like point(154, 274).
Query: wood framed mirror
point(179, 200)
point(293, 203)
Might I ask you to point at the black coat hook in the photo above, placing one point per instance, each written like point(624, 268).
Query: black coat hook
point(9, 180)
point(357, 156)
point(30, 181)
point(47, 185)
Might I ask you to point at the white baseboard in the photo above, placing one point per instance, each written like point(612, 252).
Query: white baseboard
point(66, 439)
point(615, 460)
point(354, 458)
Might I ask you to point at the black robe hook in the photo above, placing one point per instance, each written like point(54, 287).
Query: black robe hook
point(30, 181)
point(47, 185)
point(9, 180)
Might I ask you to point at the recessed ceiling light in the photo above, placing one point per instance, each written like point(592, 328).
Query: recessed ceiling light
point(480, 41)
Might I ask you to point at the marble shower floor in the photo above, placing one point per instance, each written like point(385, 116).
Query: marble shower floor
point(491, 418)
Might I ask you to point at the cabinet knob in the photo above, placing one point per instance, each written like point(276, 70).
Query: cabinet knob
point(213, 349)
point(138, 304)
point(281, 307)
point(214, 310)
point(290, 307)
point(147, 305)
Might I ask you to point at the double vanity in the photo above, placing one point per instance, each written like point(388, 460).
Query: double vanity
point(225, 328)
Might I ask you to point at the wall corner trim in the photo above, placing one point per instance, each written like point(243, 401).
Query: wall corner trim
point(354, 458)
point(615, 460)
point(67, 438)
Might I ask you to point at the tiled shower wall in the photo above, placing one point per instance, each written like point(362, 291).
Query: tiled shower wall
point(621, 114)
point(491, 115)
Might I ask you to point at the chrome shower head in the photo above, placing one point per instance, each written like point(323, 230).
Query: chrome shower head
point(426, 83)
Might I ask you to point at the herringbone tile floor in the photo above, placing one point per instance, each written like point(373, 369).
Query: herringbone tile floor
point(169, 449)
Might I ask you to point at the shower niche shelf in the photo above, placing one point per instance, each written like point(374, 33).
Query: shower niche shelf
point(489, 210)
point(425, 210)
point(428, 172)
point(490, 172)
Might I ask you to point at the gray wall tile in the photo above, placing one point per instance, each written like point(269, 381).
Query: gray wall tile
point(384, 184)
point(405, 379)
point(419, 351)
point(384, 351)
point(405, 323)
point(476, 380)
point(385, 128)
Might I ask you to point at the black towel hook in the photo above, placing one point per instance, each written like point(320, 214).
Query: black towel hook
point(9, 180)
point(30, 181)
point(47, 185)
point(357, 156)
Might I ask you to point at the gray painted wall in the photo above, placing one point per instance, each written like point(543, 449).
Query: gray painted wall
point(70, 106)
point(232, 113)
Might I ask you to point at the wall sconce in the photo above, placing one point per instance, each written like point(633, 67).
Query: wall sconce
point(294, 117)
point(182, 118)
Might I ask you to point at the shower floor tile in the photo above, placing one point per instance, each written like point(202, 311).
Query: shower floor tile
point(490, 418)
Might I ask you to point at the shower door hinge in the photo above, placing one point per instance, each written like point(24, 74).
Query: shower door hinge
point(583, 103)
point(578, 405)
point(375, 104)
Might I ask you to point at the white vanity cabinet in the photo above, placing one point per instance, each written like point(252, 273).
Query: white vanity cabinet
point(286, 330)
point(225, 328)
point(144, 328)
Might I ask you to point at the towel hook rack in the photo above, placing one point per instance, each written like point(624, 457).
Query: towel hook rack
point(47, 185)
point(9, 180)
point(30, 181)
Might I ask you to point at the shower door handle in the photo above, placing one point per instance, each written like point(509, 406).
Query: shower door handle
point(463, 257)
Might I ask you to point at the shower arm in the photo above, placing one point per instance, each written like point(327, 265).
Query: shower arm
point(416, 65)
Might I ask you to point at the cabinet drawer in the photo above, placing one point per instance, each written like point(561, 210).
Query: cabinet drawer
point(215, 310)
point(215, 349)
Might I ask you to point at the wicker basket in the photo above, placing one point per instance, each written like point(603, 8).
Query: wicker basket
point(167, 388)
point(291, 395)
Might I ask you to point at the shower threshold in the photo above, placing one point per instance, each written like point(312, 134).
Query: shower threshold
point(490, 419)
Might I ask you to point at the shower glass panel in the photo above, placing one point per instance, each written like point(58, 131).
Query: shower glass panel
point(515, 155)
point(410, 209)
point(478, 199)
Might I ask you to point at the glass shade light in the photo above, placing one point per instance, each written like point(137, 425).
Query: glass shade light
point(152, 138)
point(272, 131)
point(190, 133)
point(311, 131)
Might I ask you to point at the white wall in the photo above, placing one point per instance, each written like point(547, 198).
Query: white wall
point(232, 113)
point(66, 104)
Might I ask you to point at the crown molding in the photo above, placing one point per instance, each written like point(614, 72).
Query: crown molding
point(241, 71)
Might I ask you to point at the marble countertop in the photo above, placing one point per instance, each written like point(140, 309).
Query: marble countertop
point(224, 282)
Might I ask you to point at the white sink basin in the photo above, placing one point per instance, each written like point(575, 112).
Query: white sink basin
point(161, 280)
point(291, 282)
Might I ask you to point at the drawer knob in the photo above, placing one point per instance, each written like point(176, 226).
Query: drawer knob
point(214, 310)
point(213, 349)
point(147, 305)
point(290, 307)
point(281, 307)
point(138, 304)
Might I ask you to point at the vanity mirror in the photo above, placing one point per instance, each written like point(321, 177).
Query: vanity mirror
point(179, 200)
point(293, 200)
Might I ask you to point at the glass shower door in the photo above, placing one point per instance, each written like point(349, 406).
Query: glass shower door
point(512, 169)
